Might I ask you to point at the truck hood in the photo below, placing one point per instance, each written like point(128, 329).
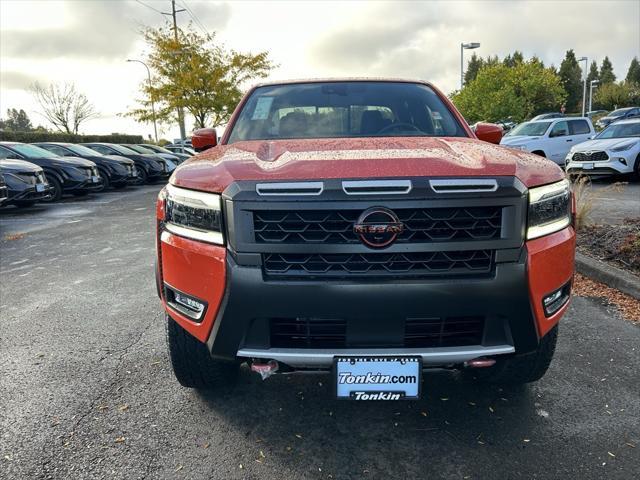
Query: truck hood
point(389, 157)
point(603, 144)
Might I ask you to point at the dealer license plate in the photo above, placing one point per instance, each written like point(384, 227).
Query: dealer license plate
point(95, 179)
point(378, 378)
point(587, 166)
point(39, 187)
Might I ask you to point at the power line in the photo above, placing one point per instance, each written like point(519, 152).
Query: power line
point(149, 6)
point(194, 18)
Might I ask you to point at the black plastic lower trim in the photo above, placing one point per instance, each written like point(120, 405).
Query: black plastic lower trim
point(375, 311)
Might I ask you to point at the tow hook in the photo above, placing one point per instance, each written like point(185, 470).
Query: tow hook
point(480, 363)
point(265, 370)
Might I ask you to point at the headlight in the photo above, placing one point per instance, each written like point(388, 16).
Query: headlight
point(625, 147)
point(549, 209)
point(194, 214)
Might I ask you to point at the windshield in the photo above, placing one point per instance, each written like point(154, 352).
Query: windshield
point(157, 148)
point(82, 150)
point(621, 130)
point(529, 129)
point(344, 109)
point(618, 113)
point(122, 150)
point(31, 151)
point(140, 149)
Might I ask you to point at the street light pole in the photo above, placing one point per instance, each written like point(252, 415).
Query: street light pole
point(463, 47)
point(584, 83)
point(153, 107)
point(591, 84)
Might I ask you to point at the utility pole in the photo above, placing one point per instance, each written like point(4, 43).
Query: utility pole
point(593, 82)
point(183, 133)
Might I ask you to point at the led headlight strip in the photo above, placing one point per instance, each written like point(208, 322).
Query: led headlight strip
point(193, 214)
point(549, 209)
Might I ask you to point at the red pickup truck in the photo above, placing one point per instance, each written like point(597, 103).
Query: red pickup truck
point(361, 228)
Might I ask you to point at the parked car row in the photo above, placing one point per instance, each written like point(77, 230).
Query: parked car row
point(45, 171)
point(572, 143)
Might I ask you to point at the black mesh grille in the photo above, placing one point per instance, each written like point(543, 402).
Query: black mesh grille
point(336, 226)
point(338, 265)
point(308, 333)
point(426, 332)
point(443, 332)
point(592, 157)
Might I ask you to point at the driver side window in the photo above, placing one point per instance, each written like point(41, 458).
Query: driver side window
point(560, 129)
point(6, 153)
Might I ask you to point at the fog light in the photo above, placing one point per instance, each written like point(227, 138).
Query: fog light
point(623, 161)
point(189, 306)
point(555, 300)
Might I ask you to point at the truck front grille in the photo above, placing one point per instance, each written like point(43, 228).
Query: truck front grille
point(420, 225)
point(376, 265)
point(423, 332)
point(598, 156)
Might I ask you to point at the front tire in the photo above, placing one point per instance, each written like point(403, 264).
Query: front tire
point(56, 193)
point(143, 176)
point(192, 363)
point(525, 368)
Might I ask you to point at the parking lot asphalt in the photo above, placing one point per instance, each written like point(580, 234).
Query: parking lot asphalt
point(613, 201)
point(86, 389)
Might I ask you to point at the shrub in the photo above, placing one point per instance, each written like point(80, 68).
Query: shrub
point(30, 137)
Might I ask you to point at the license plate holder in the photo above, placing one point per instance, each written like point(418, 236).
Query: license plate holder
point(39, 187)
point(95, 179)
point(587, 166)
point(377, 378)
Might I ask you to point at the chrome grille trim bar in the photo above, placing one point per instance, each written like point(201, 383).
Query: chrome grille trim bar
point(376, 187)
point(290, 188)
point(464, 185)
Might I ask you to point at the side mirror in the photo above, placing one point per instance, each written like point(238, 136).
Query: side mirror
point(204, 138)
point(488, 132)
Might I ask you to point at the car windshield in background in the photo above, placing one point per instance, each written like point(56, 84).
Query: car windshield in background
point(123, 150)
point(31, 151)
point(81, 150)
point(529, 129)
point(344, 109)
point(618, 113)
point(620, 130)
point(139, 149)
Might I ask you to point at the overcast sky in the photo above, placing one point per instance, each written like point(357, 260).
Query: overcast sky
point(88, 41)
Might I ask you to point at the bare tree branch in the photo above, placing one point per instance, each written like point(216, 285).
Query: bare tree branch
point(63, 106)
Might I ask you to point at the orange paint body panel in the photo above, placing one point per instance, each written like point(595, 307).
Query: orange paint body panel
point(550, 265)
point(198, 269)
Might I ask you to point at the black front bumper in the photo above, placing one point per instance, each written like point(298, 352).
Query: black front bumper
point(375, 314)
point(70, 186)
point(29, 194)
point(370, 311)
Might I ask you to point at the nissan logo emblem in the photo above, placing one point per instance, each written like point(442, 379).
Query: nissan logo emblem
point(378, 227)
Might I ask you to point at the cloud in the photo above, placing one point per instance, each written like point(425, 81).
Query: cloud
point(12, 80)
point(422, 39)
point(100, 30)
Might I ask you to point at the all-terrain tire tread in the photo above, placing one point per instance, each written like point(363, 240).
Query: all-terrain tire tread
point(192, 364)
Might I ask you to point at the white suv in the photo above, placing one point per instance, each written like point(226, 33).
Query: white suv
point(552, 138)
point(615, 150)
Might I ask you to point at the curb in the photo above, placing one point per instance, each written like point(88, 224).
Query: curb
point(608, 274)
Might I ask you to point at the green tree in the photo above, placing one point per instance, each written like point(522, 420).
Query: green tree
point(519, 92)
point(571, 79)
point(473, 67)
point(616, 95)
point(513, 60)
point(606, 72)
point(194, 73)
point(593, 73)
point(633, 74)
point(17, 121)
